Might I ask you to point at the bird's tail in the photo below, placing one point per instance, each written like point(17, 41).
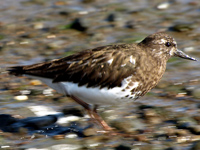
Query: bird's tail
point(16, 70)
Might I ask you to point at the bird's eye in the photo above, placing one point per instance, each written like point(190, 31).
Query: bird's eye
point(168, 44)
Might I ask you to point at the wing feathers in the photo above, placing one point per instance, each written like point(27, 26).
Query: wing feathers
point(102, 66)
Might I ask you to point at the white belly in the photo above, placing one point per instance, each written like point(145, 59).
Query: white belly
point(91, 95)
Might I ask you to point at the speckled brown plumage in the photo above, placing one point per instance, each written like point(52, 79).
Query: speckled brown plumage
point(134, 68)
point(91, 67)
point(88, 67)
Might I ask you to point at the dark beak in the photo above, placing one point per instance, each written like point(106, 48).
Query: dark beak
point(179, 53)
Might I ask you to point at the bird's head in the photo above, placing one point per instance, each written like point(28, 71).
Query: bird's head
point(164, 46)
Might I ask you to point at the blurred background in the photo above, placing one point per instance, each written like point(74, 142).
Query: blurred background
point(33, 31)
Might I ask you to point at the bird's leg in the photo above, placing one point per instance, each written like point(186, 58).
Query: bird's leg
point(92, 113)
point(100, 120)
point(84, 104)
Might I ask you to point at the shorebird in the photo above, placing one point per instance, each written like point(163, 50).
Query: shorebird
point(107, 75)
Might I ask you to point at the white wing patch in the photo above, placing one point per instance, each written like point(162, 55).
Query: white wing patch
point(132, 60)
point(110, 61)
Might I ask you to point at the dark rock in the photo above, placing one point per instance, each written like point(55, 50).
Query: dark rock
point(130, 24)
point(195, 129)
point(73, 111)
point(182, 27)
point(111, 17)
point(64, 13)
point(88, 1)
point(170, 148)
point(145, 107)
point(6, 120)
point(25, 36)
point(78, 24)
point(34, 122)
point(122, 147)
point(42, 125)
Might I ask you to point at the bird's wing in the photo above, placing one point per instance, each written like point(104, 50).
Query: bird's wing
point(102, 66)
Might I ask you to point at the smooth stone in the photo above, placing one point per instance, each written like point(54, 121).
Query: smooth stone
point(128, 125)
point(196, 93)
point(21, 98)
point(196, 146)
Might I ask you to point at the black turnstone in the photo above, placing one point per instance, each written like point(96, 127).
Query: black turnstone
point(107, 75)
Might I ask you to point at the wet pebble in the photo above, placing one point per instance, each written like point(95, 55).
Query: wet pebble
point(117, 20)
point(163, 5)
point(167, 131)
point(195, 138)
point(88, 1)
point(36, 91)
point(173, 90)
point(64, 13)
point(56, 44)
point(196, 92)
point(163, 84)
point(197, 117)
point(38, 25)
point(182, 132)
point(90, 131)
point(196, 146)
point(128, 125)
point(71, 135)
point(111, 17)
point(35, 82)
point(66, 146)
point(21, 97)
point(150, 113)
point(58, 137)
point(183, 139)
point(195, 129)
point(94, 142)
point(130, 24)
point(141, 138)
point(48, 92)
point(25, 92)
point(123, 147)
point(188, 124)
point(7, 134)
point(79, 24)
point(70, 110)
point(38, 136)
point(109, 115)
point(182, 27)
point(151, 116)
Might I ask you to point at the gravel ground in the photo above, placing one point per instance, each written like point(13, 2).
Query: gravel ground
point(35, 117)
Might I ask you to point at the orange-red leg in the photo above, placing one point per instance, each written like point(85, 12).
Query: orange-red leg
point(100, 120)
point(93, 113)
